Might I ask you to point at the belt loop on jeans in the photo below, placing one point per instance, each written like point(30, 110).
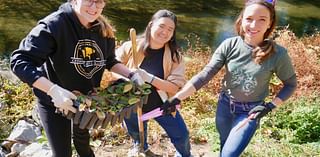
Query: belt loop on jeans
point(245, 106)
point(231, 103)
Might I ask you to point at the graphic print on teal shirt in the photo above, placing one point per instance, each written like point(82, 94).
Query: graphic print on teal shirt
point(246, 81)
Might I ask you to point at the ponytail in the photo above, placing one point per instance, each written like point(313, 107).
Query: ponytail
point(263, 51)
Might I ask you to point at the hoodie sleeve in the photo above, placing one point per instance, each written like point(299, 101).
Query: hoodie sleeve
point(33, 51)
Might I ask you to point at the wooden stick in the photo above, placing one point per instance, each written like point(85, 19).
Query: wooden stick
point(133, 38)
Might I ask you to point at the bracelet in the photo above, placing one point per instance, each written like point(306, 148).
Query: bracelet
point(152, 78)
point(131, 74)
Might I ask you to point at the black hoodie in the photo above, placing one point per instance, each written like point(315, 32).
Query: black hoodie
point(63, 50)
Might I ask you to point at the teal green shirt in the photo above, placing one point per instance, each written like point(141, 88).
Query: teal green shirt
point(245, 80)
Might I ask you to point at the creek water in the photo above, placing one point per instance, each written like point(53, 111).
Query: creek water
point(210, 20)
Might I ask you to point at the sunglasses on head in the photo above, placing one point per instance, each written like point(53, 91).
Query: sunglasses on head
point(273, 2)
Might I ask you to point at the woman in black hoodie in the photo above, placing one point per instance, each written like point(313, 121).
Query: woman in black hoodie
point(67, 50)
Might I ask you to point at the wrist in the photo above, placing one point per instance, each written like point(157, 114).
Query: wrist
point(131, 74)
point(51, 89)
point(271, 105)
point(176, 101)
point(151, 79)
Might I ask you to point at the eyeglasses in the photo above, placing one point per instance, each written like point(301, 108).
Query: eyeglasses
point(99, 3)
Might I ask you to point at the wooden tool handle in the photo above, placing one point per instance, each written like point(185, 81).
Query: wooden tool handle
point(133, 37)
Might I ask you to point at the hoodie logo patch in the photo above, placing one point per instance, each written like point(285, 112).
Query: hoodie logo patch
point(88, 58)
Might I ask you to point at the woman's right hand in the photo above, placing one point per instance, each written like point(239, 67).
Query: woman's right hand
point(145, 75)
point(169, 106)
point(136, 78)
point(62, 99)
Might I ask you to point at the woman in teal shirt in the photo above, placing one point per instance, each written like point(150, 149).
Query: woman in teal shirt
point(250, 60)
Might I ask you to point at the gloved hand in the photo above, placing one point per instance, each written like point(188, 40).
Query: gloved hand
point(261, 110)
point(169, 106)
point(62, 99)
point(136, 78)
point(145, 75)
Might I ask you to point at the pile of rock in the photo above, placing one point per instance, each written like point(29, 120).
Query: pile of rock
point(22, 141)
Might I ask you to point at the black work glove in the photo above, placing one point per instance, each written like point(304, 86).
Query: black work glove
point(261, 110)
point(169, 106)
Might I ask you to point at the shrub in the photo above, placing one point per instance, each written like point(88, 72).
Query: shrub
point(297, 122)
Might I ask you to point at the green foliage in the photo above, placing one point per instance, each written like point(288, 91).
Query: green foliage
point(114, 98)
point(301, 118)
point(291, 130)
point(262, 146)
point(207, 130)
point(15, 101)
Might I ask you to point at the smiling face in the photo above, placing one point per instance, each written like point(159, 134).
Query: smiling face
point(86, 11)
point(161, 32)
point(255, 22)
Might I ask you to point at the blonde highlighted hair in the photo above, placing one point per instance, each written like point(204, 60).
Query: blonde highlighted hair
point(106, 28)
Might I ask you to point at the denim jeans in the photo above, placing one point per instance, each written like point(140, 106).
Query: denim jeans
point(233, 127)
point(175, 127)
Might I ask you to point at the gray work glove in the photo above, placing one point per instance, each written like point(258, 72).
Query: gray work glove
point(145, 75)
point(136, 78)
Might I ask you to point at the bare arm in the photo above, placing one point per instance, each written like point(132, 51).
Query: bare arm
point(186, 91)
point(121, 69)
point(43, 84)
point(165, 85)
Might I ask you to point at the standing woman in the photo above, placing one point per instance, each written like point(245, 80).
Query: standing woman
point(67, 50)
point(159, 64)
point(250, 60)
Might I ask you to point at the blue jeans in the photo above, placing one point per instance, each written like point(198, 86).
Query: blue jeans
point(175, 127)
point(233, 127)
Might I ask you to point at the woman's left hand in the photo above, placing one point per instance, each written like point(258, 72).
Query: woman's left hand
point(261, 110)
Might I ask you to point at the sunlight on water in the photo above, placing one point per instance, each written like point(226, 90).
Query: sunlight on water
point(211, 20)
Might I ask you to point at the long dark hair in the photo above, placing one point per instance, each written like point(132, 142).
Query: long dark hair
point(146, 36)
point(266, 48)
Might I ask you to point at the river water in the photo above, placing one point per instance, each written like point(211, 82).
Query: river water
point(211, 20)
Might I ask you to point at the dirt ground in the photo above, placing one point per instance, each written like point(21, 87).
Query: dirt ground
point(163, 147)
point(115, 142)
